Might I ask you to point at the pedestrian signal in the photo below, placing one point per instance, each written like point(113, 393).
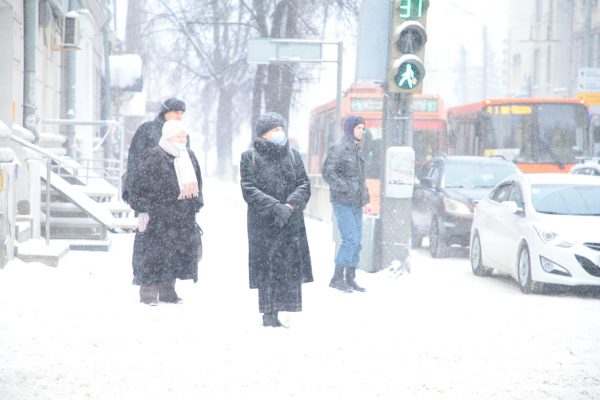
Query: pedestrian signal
point(407, 46)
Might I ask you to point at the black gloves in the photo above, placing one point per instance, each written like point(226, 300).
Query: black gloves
point(282, 214)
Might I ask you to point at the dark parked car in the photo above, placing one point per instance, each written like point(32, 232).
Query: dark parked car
point(444, 198)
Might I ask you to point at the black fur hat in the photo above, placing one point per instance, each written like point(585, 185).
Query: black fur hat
point(268, 121)
point(172, 104)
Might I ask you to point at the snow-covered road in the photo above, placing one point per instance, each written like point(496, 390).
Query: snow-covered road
point(78, 332)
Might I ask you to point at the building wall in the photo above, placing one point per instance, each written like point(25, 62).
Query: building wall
point(51, 62)
point(6, 64)
point(546, 46)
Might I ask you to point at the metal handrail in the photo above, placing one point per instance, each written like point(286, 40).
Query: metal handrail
point(113, 126)
point(58, 159)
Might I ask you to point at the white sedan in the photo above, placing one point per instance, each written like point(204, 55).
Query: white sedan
point(539, 228)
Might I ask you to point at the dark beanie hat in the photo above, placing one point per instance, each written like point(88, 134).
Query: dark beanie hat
point(268, 121)
point(350, 123)
point(172, 104)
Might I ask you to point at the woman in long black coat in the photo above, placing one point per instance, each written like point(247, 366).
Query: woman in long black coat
point(276, 188)
point(167, 184)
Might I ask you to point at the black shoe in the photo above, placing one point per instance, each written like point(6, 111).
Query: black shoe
point(176, 300)
point(270, 319)
point(338, 282)
point(350, 274)
point(340, 285)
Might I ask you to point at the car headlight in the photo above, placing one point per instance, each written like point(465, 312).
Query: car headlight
point(456, 207)
point(554, 238)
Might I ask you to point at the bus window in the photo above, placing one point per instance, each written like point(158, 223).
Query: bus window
point(562, 133)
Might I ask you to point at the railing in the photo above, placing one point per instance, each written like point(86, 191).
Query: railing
point(112, 169)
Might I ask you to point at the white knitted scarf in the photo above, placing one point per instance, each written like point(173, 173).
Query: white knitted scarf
point(186, 175)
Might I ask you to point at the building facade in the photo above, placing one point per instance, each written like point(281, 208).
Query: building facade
point(548, 41)
point(52, 67)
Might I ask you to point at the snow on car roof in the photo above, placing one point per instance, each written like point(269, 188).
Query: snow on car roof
point(556, 178)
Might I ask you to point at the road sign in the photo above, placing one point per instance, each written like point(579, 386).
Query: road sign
point(266, 51)
point(590, 98)
point(588, 80)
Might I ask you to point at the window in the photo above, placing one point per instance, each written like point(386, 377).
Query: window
point(536, 67)
point(596, 50)
point(501, 193)
point(538, 10)
point(516, 60)
point(549, 65)
point(516, 195)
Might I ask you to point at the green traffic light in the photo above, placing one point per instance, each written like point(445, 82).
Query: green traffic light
point(412, 9)
point(407, 76)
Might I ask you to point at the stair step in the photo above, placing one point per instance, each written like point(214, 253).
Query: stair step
point(86, 245)
point(23, 230)
point(36, 250)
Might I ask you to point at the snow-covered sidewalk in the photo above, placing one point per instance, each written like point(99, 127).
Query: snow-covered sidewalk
point(78, 331)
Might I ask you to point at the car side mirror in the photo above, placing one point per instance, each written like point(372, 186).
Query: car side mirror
point(513, 207)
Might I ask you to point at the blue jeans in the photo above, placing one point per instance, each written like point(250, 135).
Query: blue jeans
point(349, 222)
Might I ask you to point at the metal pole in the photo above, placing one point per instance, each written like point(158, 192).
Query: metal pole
point(30, 23)
point(338, 99)
point(47, 201)
point(485, 61)
point(71, 93)
point(121, 160)
point(587, 35)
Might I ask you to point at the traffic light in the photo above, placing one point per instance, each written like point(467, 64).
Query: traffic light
point(407, 46)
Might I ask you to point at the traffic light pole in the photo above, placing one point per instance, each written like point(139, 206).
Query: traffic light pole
point(395, 212)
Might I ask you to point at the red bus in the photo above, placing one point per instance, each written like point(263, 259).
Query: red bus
point(539, 135)
point(429, 132)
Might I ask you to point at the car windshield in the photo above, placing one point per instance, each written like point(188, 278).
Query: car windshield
point(474, 175)
point(566, 199)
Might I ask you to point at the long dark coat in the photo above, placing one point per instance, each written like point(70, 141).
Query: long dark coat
point(170, 242)
point(145, 137)
point(271, 174)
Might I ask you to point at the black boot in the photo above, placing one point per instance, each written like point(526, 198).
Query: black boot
point(338, 282)
point(149, 294)
point(270, 319)
point(167, 293)
point(350, 275)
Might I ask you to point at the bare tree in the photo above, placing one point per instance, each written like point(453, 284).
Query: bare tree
point(200, 47)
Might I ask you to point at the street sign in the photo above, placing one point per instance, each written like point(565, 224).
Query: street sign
point(266, 51)
point(588, 80)
point(589, 98)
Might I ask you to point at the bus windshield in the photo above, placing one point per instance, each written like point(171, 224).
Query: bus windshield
point(538, 133)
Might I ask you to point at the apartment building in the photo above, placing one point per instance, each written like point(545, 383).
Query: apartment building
point(548, 41)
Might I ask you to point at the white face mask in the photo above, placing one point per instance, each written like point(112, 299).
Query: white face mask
point(279, 137)
point(179, 146)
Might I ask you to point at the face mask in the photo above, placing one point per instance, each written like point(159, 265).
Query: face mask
point(279, 138)
point(180, 146)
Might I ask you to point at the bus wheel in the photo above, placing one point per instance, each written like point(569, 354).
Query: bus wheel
point(437, 245)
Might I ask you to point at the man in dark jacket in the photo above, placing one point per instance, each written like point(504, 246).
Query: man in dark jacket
point(146, 137)
point(344, 171)
point(276, 188)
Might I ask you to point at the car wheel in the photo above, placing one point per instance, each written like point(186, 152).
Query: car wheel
point(475, 255)
point(416, 240)
point(524, 271)
point(437, 245)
